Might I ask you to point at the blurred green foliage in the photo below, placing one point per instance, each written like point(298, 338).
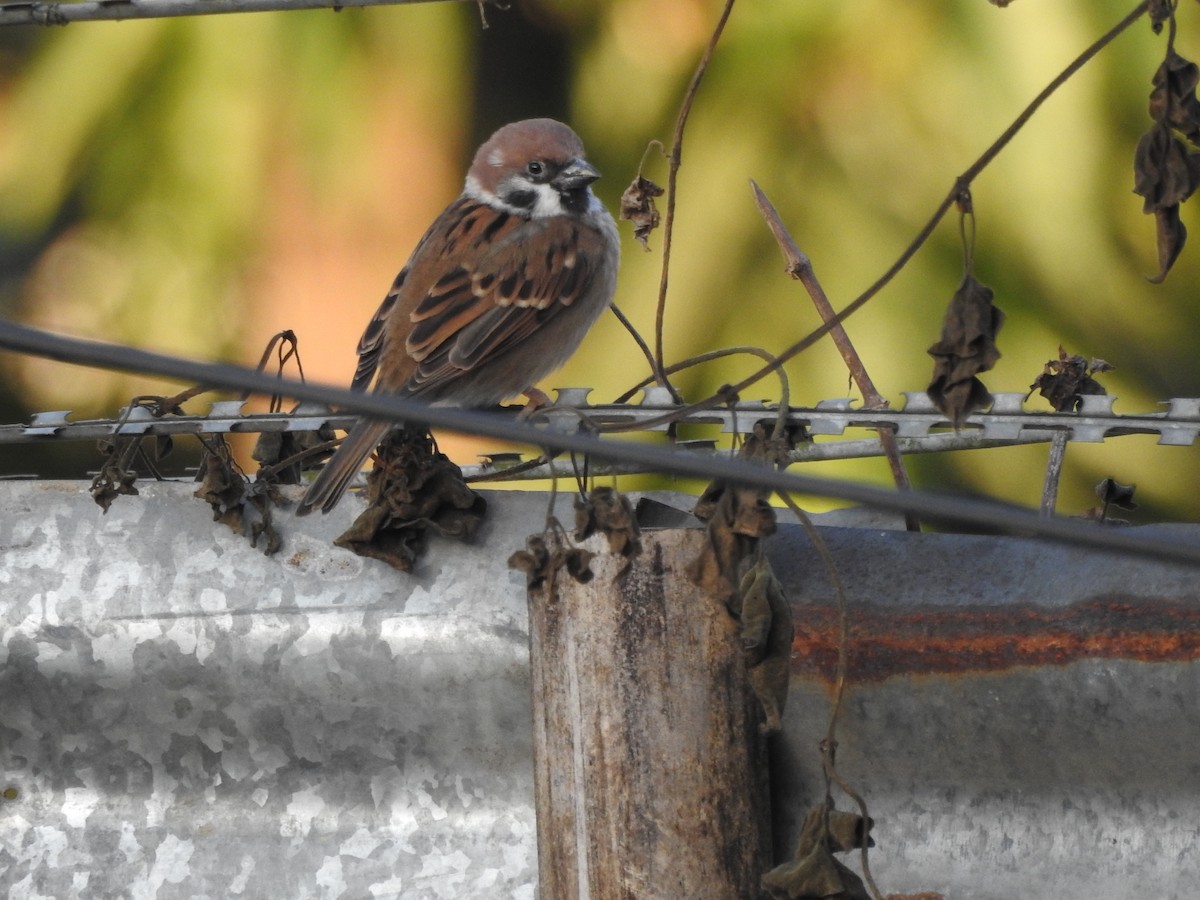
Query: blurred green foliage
point(145, 167)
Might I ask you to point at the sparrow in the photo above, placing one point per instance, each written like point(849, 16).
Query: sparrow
point(497, 294)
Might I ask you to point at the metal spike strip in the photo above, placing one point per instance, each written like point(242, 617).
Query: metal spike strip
point(1007, 421)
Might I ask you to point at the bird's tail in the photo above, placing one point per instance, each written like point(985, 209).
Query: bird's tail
point(332, 481)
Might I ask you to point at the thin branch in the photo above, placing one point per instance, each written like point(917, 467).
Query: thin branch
point(701, 358)
point(57, 13)
point(642, 345)
point(1054, 466)
point(800, 268)
point(673, 162)
point(960, 509)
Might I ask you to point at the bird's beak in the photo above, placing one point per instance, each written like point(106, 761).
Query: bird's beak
point(578, 173)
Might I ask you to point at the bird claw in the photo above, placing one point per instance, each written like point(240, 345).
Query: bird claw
point(537, 400)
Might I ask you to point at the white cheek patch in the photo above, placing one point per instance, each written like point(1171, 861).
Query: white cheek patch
point(548, 202)
point(475, 191)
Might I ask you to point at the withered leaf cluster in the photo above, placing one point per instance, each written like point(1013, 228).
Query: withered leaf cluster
point(1166, 165)
point(604, 511)
point(967, 347)
point(813, 872)
point(637, 205)
point(413, 489)
point(116, 476)
point(285, 453)
point(1064, 381)
point(243, 507)
point(609, 512)
point(738, 518)
point(732, 568)
point(545, 555)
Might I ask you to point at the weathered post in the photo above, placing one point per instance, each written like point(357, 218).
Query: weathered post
point(651, 772)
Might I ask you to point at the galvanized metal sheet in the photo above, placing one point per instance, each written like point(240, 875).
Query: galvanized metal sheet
point(181, 716)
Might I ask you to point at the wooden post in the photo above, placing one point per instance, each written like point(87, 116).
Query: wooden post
point(651, 773)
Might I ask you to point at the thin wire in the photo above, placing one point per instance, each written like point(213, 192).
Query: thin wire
point(56, 13)
point(959, 509)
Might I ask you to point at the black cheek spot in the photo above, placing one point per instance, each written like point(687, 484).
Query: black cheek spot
point(521, 199)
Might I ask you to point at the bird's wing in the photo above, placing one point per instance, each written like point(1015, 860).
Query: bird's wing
point(480, 283)
point(370, 345)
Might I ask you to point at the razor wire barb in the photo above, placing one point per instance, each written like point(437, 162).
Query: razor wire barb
point(960, 509)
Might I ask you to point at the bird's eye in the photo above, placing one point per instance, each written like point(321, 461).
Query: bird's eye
point(535, 168)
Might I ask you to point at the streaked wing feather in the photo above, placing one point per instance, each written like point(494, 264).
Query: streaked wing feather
point(493, 301)
point(370, 345)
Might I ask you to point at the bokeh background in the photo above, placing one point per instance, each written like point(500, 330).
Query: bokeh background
point(195, 186)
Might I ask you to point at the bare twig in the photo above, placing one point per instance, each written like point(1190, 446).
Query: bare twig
point(643, 346)
point(56, 13)
point(674, 160)
point(709, 357)
point(800, 268)
point(1054, 466)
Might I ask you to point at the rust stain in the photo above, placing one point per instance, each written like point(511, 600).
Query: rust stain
point(884, 643)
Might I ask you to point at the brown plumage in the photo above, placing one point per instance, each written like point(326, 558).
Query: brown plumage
point(497, 294)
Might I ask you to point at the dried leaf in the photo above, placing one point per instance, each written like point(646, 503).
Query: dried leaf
point(112, 481)
point(813, 872)
point(608, 512)
point(1160, 11)
point(222, 488)
point(967, 347)
point(1064, 381)
point(578, 563)
point(533, 561)
point(1165, 172)
point(1173, 98)
point(263, 496)
point(412, 489)
point(1170, 235)
point(542, 559)
point(817, 876)
point(840, 831)
point(767, 632)
point(1112, 493)
point(275, 447)
point(1165, 169)
point(637, 205)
